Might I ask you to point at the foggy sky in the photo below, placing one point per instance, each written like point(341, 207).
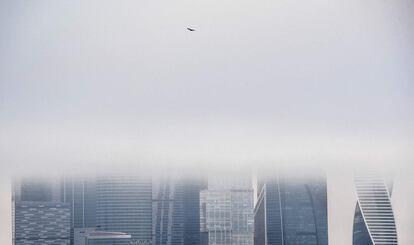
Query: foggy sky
point(102, 82)
point(93, 85)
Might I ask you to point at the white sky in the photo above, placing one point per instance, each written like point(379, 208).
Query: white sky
point(97, 84)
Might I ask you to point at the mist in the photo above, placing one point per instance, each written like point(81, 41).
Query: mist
point(98, 86)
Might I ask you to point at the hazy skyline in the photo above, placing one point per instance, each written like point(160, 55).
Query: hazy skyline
point(97, 85)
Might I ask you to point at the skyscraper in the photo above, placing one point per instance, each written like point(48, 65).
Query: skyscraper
point(228, 211)
point(80, 194)
point(39, 217)
point(291, 210)
point(203, 219)
point(374, 221)
point(41, 223)
point(37, 189)
point(176, 211)
point(191, 197)
point(124, 204)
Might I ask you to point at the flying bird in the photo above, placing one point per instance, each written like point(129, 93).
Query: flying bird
point(190, 29)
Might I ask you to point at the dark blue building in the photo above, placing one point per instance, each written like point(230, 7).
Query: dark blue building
point(291, 211)
point(176, 212)
point(80, 194)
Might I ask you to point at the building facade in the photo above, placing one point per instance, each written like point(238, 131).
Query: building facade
point(291, 210)
point(374, 221)
point(176, 211)
point(80, 194)
point(39, 215)
point(227, 211)
point(124, 204)
point(38, 222)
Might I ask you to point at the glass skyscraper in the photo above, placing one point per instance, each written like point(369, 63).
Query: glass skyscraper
point(39, 217)
point(41, 223)
point(227, 211)
point(37, 189)
point(291, 211)
point(124, 204)
point(80, 194)
point(176, 211)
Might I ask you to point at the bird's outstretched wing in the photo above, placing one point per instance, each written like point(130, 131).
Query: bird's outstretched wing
point(190, 29)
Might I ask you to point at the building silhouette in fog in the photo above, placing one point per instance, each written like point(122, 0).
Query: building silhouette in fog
point(42, 223)
point(176, 211)
point(291, 210)
point(374, 221)
point(124, 204)
point(227, 211)
point(80, 194)
point(39, 216)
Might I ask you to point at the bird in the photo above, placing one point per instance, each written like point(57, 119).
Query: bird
point(190, 29)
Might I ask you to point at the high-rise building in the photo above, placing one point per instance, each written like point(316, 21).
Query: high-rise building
point(37, 189)
point(374, 221)
point(203, 219)
point(191, 197)
point(41, 223)
point(291, 210)
point(80, 194)
point(176, 211)
point(227, 211)
point(39, 217)
point(124, 204)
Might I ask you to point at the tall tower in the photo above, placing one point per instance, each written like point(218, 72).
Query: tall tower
point(39, 216)
point(291, 210)
point(227, 211)
point(176, 211)
point(191, 199)
point(124, 204)
point(374, 221)
point(80, 194)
